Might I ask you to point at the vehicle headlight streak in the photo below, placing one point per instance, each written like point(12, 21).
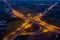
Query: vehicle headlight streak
point(28, 18)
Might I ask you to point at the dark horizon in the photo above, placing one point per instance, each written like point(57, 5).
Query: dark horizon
point(33, 0)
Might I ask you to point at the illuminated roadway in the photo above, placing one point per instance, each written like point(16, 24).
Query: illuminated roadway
point(36, 19)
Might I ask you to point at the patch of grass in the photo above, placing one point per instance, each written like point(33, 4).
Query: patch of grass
point(54, 21)
point(11, 26)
